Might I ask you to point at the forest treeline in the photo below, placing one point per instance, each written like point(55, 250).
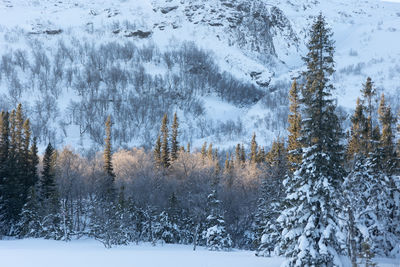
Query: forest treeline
point(316, 195)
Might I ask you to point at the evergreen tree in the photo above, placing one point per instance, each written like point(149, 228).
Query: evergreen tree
point(33, 162)
point(49, 197)
point(253, 150)
point(108, 187)
point(386, 142)
point(188, 148)
point(227, 166)
point(174, 139)
point(16, 176)
point(210, 155)
point(261, 155)
point(5, 181)
point(272, 195)
point(388, 164)
point(203, 151)
point(237, 155)
point(47, 181)
point(261, 219)
point(105, 223)
point(294, 119)
point(217, 167)
point(398, 145)
point(310, 221)
point(367, 194)
point(157, 152)
point(368, 93)
point(242, 155)
point(358, 143)
point(108, 167)
point(30, 224)
point(165, 145)
point(167, 230)
point(16, 191)
point(215, 234)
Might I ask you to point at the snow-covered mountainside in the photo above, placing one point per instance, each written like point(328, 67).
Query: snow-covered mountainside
point(224, 66)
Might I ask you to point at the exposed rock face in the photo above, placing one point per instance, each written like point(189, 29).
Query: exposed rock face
point(168, 9)
point(138, 33)
point(53, 32)
point(249, 25)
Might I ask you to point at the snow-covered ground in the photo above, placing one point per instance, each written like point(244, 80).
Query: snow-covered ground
point(87, 252)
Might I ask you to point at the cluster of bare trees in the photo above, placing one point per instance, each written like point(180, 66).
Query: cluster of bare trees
point(136, 84)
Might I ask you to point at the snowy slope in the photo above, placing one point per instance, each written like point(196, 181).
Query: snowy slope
point(366, 34)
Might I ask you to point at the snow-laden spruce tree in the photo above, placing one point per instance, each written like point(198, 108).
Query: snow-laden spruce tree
point(370, 189)
point(167, 230)
point(272, 194)
point(311, 234)
point(215, 233)
point(29, 224)
point(367, 198)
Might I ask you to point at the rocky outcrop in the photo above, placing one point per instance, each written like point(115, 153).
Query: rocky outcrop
point(138, 33)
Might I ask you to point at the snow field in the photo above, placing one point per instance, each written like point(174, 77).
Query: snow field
point(88, 252)
point(85, 253)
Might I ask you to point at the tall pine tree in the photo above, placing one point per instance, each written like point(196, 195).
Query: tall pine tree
point(272, 195)
point(174, 139)
point(294, 119)
point(310, 221)
point(165, 159)
point(253, 150)
point(108, 167)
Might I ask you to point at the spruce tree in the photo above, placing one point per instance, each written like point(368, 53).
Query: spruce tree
point(386, 142)
point(237, 155)
point(188, 148)
point(30, 223)
point(165, 160)
point(33, 163)
point(261, 155)
point(358, 143)
point(109, 191)
point(47, 181)
point(108, 167)
point(227, 166)
point(367, 198)
point(294, 119)
point(5, 181)
point(388, 164)
point(253, 149)
point(398, 145)
point(217, 167)
point(368, 93)
point(203, 151)
point(174, 139)
point(272, 195)
point(16, 189)
point(242, 155)
point(157, 152)
point(49, 197)
point(210, 151)
point(215, 233)
point(370, 190)
point(310, 221)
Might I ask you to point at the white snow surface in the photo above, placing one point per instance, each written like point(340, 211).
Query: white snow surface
point(88, 252)
point(85, 253)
